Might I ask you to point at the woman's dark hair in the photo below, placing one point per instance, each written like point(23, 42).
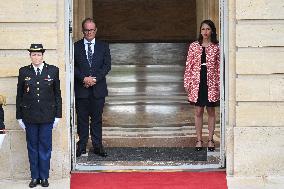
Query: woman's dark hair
point(87, 20)
point(213, 33)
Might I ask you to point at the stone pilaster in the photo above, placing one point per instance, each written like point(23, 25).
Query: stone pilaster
point(81, 10)
point(207, 9)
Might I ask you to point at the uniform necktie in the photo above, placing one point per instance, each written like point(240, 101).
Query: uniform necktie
point(90, 54)
point(37, 71)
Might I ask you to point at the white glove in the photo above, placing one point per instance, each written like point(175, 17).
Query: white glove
point(21, 123)
point(56, 120)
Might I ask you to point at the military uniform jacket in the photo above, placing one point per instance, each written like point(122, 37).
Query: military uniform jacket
point(38, 97)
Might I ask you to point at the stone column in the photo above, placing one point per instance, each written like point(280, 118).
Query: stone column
point(207, 9)
point(81, 10)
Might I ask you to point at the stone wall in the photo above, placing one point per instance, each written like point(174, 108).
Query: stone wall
point(255, 143)
point(81, 10)
point(23, 23)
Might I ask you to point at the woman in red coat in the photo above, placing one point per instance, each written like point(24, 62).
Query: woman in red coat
point(202, 79)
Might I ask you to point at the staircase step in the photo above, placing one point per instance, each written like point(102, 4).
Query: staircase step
point(147, 68)
point(146, 99)
point(144, 76)
point(148, 53)
point(149, 115)
point(146, 88)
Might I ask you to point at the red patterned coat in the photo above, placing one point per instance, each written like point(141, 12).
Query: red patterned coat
point(192, 71)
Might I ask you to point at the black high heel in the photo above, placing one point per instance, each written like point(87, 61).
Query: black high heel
point(199, 148)
point(211, 149)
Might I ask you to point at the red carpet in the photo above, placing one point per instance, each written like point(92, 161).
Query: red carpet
point(149, 180)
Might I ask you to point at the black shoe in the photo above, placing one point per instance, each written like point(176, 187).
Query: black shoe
point(79, 152)
point(100, 151)
point(211, 149)
point(44, 183)
point(34, 183)
point(199, 148)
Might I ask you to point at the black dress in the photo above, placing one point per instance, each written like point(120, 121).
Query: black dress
point(203, 88)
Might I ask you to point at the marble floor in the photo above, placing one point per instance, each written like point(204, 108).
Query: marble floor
point(147, 105)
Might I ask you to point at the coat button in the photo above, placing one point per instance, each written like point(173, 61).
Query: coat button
point(37, 89)
point(37, 100)
point(37, 94)
point(37, 82)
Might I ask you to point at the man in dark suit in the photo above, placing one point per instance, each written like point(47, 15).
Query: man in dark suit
point(92, 63)
point(38, 109)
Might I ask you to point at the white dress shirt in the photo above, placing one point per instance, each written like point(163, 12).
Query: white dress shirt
point(92, 45)
point(40, 68)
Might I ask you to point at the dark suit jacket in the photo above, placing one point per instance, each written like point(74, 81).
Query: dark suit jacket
point(101, 65)
point(38, 97)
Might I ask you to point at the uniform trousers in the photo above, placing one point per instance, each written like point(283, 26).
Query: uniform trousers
point(2, 126)
point(39, 144)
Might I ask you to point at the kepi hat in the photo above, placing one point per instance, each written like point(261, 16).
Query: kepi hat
point(36, 48)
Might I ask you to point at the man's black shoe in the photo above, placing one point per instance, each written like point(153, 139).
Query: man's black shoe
point(100, 151)
point(79, 152)
point(44, 183)
point(34, 183)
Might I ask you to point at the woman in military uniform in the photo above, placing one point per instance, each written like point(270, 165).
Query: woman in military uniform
point(38, 109)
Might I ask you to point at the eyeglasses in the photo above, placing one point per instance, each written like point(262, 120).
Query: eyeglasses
point(89, 31)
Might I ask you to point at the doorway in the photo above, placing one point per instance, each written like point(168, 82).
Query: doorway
point(147, 108)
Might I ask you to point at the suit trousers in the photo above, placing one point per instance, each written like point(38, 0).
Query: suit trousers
point(87, 108)
point(39, 143)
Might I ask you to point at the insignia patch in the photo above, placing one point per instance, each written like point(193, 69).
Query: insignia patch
point(48, 78)
point(27, 78)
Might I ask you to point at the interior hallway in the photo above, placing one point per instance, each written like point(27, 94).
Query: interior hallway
point(147, 105)
point(147, 101)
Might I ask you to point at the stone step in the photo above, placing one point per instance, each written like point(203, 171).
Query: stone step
point(182, 136)
point(150, 115)
point(147, 115)
point(188, 141)
point(155, 132)
point(147, 68)
point(146, 99)
point(147, 88)
point(148, 53)
point(145, 76)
